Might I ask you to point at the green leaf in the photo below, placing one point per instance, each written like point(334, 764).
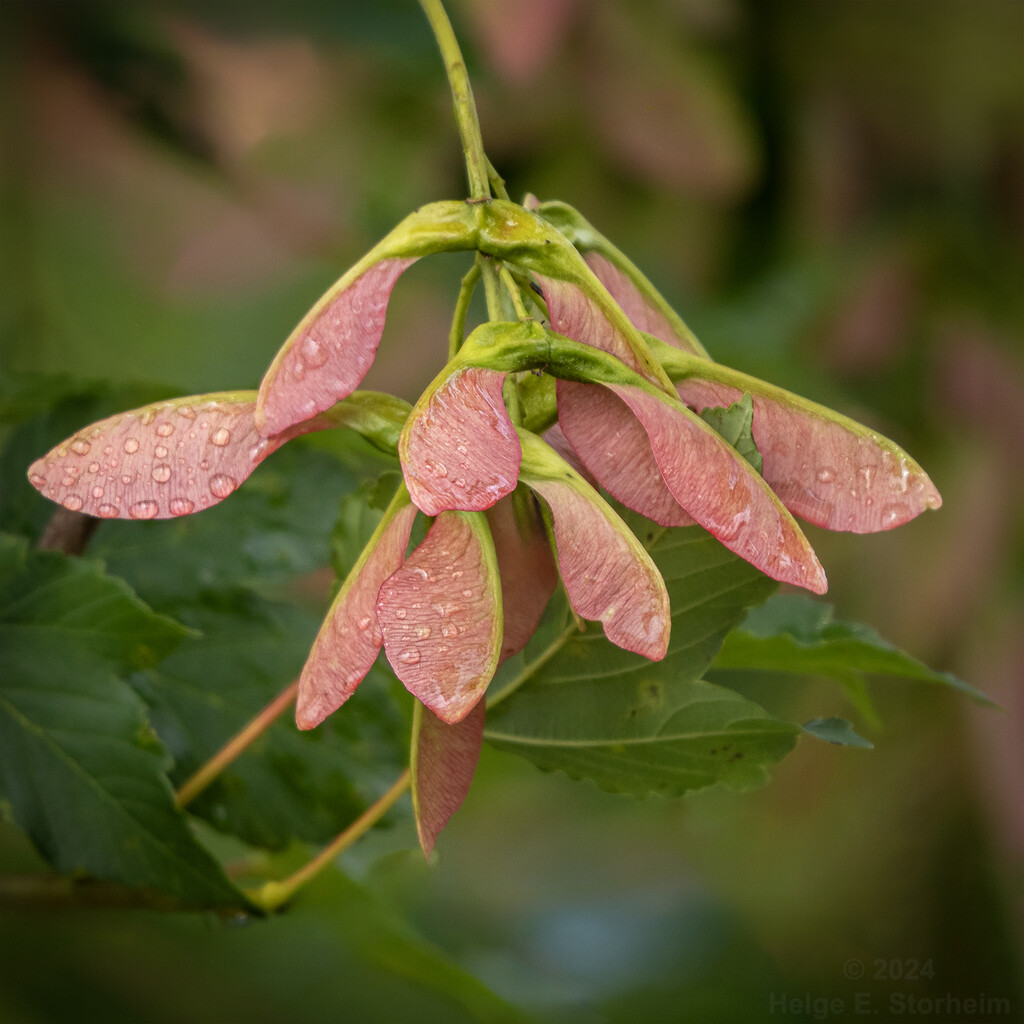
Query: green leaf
point(287, 784)
point(838, 731)
point(735, 424)
point(400, 960)
point(78, 759)
point(275, 527)
point(579, 704)
point(794, 633)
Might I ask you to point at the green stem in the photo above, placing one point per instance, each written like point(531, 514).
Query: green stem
point(273, 895)
point(458, 331)
point(477, 165)
point(235, 746)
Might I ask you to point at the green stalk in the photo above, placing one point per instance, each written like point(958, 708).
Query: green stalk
point(478, 167)
point(236, 746)
point(273, 895)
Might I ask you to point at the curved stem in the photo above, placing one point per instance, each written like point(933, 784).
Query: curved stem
point(194, 785)
point(273, 895)
point(477, 165)
point(466, 290)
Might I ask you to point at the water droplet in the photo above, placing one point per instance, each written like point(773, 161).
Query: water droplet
point(143, 509)
point(222, 485)
point(220, 437)
point(462, 449)
point(160, 451)
point(826, 474)
point(186, 412)
point(181, 506)
point(161, 472)
point(868, 473)
point(37, 479)
point(467, 593)
point(410, 656)
point(422, 632)
point(108, 511)
point(460, 481)
point(147, 417)
point(108, 450)
point(131, 445)
point(313, 351)
point(400, 613)
point(164, 429)
point(204, 465)
point(68, 481)
point(450, 631)
point(97, 492)
point(93, 467)
point(298, 369)
point(72, 502)
point(421, 573)
point(80, 446)
point(364, 623)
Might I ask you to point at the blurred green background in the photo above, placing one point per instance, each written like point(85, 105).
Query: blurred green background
point(832, 194)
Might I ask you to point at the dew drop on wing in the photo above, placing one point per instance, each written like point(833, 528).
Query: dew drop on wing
point(143, 509)
point(222, 485)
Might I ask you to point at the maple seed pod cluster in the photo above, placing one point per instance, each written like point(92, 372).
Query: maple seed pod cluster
point(596, 385)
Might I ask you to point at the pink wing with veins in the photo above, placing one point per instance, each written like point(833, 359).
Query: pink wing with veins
point(165, 460)
point(443, 764)
point(459, 449)
point(349, 639)
point(440, 616)
point(825, 472)
point(330, 352)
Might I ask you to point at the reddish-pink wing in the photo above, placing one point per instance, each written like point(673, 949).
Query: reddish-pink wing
point(720, 489)
point(643, 314)
point(440, 616)
point(823, 471)
point(573, 313)
point(330, 352)
point(443, 763)
point(459, 450)
point(527, 569)
point(349, 639)
point(614, 446)
point(165, 460)
point(607, 576)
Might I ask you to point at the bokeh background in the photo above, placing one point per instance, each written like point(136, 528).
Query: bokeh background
point(832, 194)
